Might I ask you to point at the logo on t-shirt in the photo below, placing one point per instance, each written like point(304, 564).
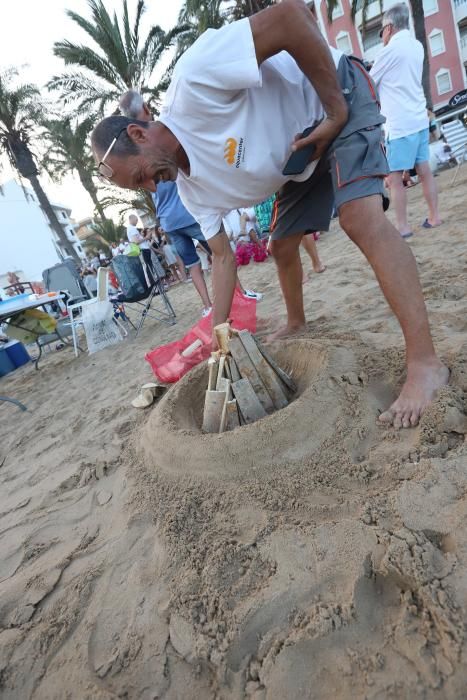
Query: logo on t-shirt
point(233, 152)
point(230, 151)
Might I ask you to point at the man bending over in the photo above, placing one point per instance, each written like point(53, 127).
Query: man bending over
point(237, 98)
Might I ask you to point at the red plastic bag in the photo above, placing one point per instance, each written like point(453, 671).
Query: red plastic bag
point(167, 362)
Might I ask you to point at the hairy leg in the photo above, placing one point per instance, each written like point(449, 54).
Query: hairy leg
point(396, 271)
point(289, 268)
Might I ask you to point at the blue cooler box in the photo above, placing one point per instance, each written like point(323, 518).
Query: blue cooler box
point(17, 353)
point(6, 365)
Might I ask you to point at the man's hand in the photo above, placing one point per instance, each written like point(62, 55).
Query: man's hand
point(321, 137)
point(224, 277)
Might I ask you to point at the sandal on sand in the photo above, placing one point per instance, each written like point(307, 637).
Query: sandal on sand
point(409, 234)
point(148, 393)
point(426, 224)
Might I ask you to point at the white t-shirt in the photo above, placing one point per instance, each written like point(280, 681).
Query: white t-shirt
point(134, 236)
point(236, 121)
point(397, 72)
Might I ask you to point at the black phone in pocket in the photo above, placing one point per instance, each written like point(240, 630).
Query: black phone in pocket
point(298, 161)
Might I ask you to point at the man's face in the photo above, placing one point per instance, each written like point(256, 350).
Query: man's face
point(144, 170)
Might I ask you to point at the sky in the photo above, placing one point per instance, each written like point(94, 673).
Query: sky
point(29, 47)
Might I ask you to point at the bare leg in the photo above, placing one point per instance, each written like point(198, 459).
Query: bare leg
point(399, 198)
point(290, 271)
point(175, 274)
point(181, 268)
point(198, 280)
point(430, 192)
point(309, 244)
point(396, 271)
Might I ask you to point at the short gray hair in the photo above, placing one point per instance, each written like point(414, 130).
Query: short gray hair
point(131, 103)
point(398, 15)
point(111, 127)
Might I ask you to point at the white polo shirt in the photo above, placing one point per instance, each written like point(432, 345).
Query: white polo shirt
point(236, 121)
point(397, 72)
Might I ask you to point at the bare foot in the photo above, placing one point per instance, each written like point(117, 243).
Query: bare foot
point(310, 275)
point(285, 332)
point(420, 388)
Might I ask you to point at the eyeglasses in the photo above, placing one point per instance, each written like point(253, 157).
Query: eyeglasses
point(389, 24)
point(103, 168)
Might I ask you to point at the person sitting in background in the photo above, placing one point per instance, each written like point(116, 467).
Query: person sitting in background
point(14, 280)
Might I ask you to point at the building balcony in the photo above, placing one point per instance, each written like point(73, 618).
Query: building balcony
point(460, 9)
point(371, 52)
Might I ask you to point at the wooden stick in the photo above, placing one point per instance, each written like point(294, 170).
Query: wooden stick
point(265, 371)
point(212, 380)
point(248, 402)
point(286, 378)
point(232, 420)
point(234, 370)
point(248, 371)
point(213, 406)
point(225, 384)
point(220, 374)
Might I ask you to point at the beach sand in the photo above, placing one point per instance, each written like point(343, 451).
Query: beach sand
point(314, 554)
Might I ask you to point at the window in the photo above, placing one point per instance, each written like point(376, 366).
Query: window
point(371, 38)
point(443, 81)
point(343, 43)
point(64, 215)
point(436, 39)
point(430, 7)
point(338, 11)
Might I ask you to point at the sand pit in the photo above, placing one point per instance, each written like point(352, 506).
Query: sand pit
point(173, 440)
point(313, 555)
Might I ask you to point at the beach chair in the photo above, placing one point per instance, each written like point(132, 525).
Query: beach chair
point(143, 288)
point(455, 134)
point(65, 277)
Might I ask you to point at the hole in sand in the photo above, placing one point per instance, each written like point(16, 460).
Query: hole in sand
point(172, 439)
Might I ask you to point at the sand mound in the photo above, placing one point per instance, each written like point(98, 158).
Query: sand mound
point(172, 438)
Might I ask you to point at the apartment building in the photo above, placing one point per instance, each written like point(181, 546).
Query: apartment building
point(446, 30)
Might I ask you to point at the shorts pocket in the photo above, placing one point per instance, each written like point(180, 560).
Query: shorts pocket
point(358, 156)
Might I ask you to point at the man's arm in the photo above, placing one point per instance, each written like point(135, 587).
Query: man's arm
point(224, 276)
point(291, 27)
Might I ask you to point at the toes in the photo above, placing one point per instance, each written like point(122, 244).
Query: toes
point(414, 418)
point(397, 422)
point(406, 420)
point(387, 417)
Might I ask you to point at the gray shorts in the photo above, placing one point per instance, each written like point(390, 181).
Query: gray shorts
point(353, 167)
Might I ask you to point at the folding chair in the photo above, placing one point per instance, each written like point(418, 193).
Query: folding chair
point(455, 134)
point(143, 287)
point(65, 277)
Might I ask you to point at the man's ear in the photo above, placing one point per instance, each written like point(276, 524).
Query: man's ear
point(138, 134)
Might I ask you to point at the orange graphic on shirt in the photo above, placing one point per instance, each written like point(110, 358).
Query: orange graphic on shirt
point(230, 151)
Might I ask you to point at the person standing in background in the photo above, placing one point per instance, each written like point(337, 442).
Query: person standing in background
point(397, 72)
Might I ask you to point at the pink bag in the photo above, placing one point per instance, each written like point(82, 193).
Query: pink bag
point(167, 362)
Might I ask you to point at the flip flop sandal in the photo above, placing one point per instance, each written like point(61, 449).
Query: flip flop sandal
point(409, 234)
point(144, 399)
point(426, 224)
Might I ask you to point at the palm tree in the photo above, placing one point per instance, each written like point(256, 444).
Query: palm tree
point(246, 8)
point(105, 232)
point(117, 60)
point(197, 16)
point(68, 151)
point(419, 26)
point(20, 112)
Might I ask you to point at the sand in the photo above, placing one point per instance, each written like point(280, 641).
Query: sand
point(314, 554)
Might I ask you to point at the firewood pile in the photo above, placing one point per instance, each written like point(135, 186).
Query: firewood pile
point(245, 383)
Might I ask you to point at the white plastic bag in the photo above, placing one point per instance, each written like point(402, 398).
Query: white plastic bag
point(99, 326)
